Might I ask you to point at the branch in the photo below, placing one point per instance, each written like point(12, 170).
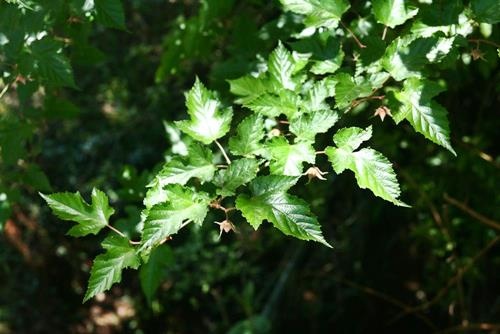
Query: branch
point(476, 215)
point(223, 152)
point(470, 327)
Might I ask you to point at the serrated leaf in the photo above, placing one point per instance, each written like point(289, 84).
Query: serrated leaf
point(90, 219)
point(325, 52)
point(319, 13)
point(208, 121)
point(110, 13)
point(199, 165)
point(272, 105)
point(238, 173)
point(425, 115)
point(290, 214)
point(348, 89)
point(287, 159)
point(281, 66)
point(50, 64)
point(486, 10)
point(372, 171)
point(107, 267)
point(248, 88)
point(351, 138)
point(307, 126)
point(249, 133)
point(318, 93)
point(392, 12)
point(167, 219)
point(152, 272)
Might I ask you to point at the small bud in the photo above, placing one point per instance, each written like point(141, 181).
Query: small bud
point(382, 112)
point(477, 54)
point(315, 172)
point(226, 226)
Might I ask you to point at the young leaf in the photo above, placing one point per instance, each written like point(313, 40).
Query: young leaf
point(208, 122)
point(90, 219)
point(199, 165)
point(306, 126)
point(107, 267)
point(425, 115)
point(287, 159)
point(320, 13)
point(238, 173)
point(371, 168)
point(248, 87)
point(281, 66)
point(110, 13)
point(167, 219)
point(249, 133)
point(269, 201)
point(392, 12)
point(152, 272)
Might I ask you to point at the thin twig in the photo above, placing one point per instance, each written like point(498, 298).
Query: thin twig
point(449, 284)
point(485, 41)
point(470, 327)
point(223, 152)
point(360, 45)
point(391, 300)
point(476, 215)
point(120, 233)
point(384, 33)
point(4, 90)
point(320, 152)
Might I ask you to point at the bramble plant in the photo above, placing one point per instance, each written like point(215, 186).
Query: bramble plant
point(287, 108)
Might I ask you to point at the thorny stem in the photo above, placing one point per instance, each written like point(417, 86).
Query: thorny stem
point(360, 45)
point(223, 152)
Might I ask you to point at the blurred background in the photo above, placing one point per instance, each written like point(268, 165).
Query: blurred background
point(432, 268)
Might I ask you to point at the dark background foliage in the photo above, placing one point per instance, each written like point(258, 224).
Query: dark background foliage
point(386, 260)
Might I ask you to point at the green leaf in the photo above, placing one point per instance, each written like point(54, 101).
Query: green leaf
point(152, 272)
point(348, 89)
point(35, 177)
point(392, 12)
point(425, 115)
point(290, 214)
point(50, 65)
point(351, 138)
point(248, 87)
point(164, 220)
point(318, 93)
point(238, 173)
point(13, 137)
point(287, 159)
point(306, 126)
point(319, 13)
point(280, 67)
point(272, 105)
point(486, 10)
point(90, 219)
point(249, 133)
point(107, 267)
point(325, 52)
point(208, 121)
point(199, 166)
point(110, 13)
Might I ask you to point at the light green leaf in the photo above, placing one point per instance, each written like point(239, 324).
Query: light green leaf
point(425, 115)
point(238, 173)
point(208, 122)
point(306, 126)
point(348, 89)
point(351, 138)
point(152, 272)
point(287, 159)
point(90, 219)
point(248, 88)
point(199, 165)
point(164, 220)
point(318, 93)
point(269, 201)
point(110, 13)
point(107, 267)
point(249, 133)
point(272, 105)
point(392, 12)
point(319, 13)
point(50, 64)
point(372, 171)
point(280, 67)
point(486, 10)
